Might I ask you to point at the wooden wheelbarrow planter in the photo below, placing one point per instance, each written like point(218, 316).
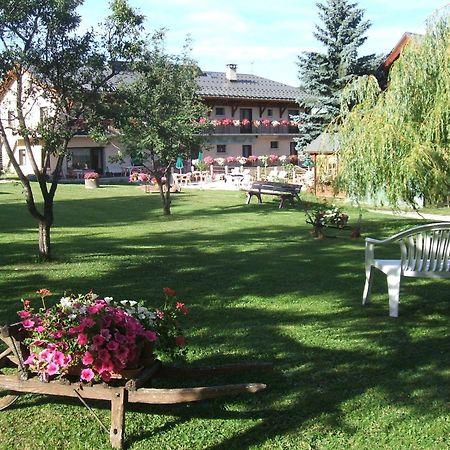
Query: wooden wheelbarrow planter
point(131, 391)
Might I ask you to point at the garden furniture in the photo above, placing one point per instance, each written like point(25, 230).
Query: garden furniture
point(424, 253)
point(286, 191)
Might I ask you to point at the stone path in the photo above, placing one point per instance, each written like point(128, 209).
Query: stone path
point(415, 215)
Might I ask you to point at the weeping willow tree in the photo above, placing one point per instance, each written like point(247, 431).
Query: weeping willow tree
point(396, 142)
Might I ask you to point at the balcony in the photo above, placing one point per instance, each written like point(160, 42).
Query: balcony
point(252, 130)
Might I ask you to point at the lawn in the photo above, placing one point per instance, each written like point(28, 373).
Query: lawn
point(259, 287)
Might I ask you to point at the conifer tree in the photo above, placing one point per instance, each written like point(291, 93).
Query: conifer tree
point(324, 75)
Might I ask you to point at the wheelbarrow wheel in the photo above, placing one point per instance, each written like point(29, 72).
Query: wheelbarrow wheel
point(8, 366)
point(7, 398)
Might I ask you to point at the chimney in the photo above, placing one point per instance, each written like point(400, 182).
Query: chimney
point(230, 74)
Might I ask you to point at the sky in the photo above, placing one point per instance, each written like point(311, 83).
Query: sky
point(264, 37)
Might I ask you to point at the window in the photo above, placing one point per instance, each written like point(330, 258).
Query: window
point(221, 148)
point(273, 144)
point(270, 112)
point(293, 112)
point(246, 151)
point(11, 118)
point(22, 157)
point(292, 148)
point(220, 111)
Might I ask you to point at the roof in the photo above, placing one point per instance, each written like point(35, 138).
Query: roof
point(396, 51)
point(215, 84)
point(323, 144)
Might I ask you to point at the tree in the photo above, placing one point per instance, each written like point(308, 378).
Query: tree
point(324, 75)
point(397, 142)
point(159, 113)
point(45, 61)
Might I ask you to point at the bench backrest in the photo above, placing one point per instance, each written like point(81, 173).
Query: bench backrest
point(275, 186)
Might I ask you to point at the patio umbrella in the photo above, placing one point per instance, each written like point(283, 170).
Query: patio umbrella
point(200, 156)
point(179, 163)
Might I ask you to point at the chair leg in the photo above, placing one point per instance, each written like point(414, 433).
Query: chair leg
point(367, 285)
point(393, 281)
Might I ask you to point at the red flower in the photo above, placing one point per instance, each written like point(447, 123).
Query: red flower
point(180, 341)
point(182, 307)
point(43, 292)
point(169, 292)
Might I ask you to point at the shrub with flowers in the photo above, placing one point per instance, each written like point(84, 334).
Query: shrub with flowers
point(91, 176)
point(231, 159)
point(329, 215)
point(98, 336)
point(220, 161)
point(209, 160)
point(252, 158)
point(241, 160)
point(273, 159)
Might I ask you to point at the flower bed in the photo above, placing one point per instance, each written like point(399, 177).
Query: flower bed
point(98, 336)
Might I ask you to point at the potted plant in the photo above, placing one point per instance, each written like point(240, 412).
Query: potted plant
point(91, 180)
point(98, 338)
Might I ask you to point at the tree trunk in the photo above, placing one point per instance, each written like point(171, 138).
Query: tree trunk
point(44, 240)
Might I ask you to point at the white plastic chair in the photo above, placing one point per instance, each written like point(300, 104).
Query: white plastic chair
point(424, 253)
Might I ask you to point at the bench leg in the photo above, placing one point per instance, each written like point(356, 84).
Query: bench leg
point(116, 434)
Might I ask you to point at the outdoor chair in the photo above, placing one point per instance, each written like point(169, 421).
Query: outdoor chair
point(424, 253)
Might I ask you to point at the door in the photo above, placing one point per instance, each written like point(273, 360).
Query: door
point(246, 150)
point(246, 115)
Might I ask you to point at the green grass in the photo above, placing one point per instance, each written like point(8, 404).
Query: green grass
point(259, 288)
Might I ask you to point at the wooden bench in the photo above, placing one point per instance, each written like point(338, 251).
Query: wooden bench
point(424, 253)
point(286, 191)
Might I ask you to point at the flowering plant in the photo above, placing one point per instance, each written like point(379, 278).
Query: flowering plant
point(245, 122)
point(266, 122)
point(227, 122)
point(220, 161)
point(330, 215)
point(284, 122)
point(252, 158)
point(208, 160)
point(236, 122)
point(256, 123)
point(273, 159)
point(99, 336)
point(231, 159)
point(241, 160)
point(263, 159)
point(275, 123)
point(91, 176)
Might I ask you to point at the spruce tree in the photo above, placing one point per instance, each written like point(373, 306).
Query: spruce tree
point(324, 75)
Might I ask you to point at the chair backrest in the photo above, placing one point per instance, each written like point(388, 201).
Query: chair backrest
point(425, 248)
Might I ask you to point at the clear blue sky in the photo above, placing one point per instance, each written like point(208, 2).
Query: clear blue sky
point(262, 37)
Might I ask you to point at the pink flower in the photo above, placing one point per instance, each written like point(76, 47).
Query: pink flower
point(151, 335)
point(39, 329)
point(112, 346)
point(98, 340)
point(159, 314)
point(82, 339)
point(30, 359)
point(24, 314)
point(107, 366)
point(59, 358)
point(88, 359)
point(105, 376)
point(28, 323)
point(87, 375)
point(94, 309)
point(87, 322)
point(103, 355)
point(52, 368)
point(105, 333)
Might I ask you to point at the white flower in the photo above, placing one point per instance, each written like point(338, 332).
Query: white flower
point(108, 300)
point(132, 303)
point(66, 303)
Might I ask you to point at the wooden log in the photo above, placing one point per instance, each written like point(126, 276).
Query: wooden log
point(208, 371)
point(118, 402)
point(183, 395)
